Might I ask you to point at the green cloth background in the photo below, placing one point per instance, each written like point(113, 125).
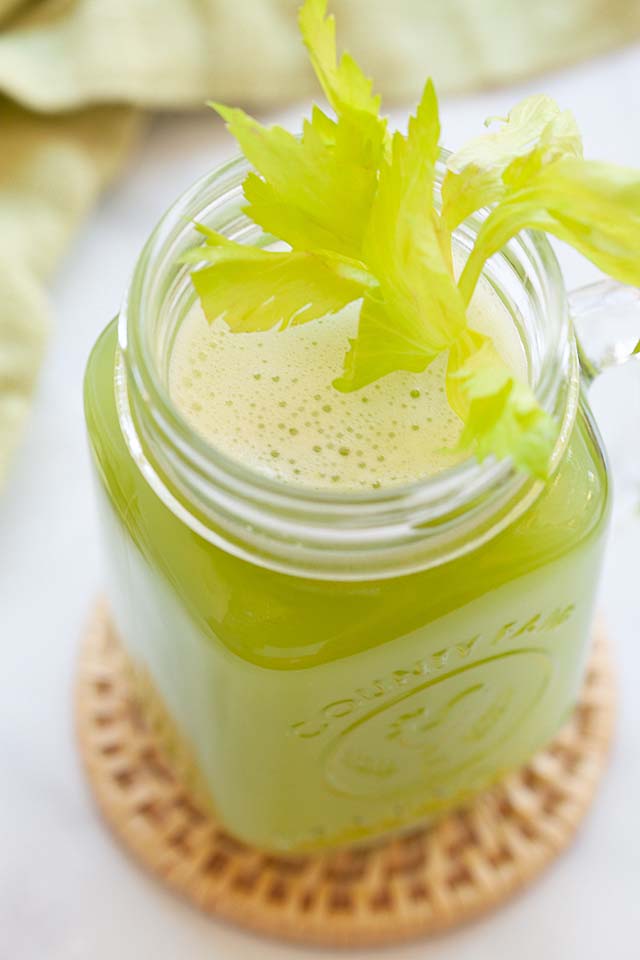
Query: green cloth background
point(72, 73)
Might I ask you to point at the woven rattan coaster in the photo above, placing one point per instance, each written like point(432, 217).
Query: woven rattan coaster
point(423, 882)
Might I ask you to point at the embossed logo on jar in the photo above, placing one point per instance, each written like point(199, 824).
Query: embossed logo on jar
point(386, 688)
point(439, 733)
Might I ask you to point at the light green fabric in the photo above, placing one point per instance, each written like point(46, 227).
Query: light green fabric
point(51, 170)
point(176, 53)
point(69, 58)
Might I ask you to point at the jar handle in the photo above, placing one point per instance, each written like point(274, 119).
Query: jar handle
point(606, 318)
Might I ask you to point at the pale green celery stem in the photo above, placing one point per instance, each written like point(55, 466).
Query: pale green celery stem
point(445, 241)
point(471, 273)
point(496, 231)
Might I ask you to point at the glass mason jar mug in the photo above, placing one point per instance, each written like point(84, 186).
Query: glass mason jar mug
point(326, 667)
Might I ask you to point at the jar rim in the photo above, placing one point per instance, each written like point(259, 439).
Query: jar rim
point(213, 491)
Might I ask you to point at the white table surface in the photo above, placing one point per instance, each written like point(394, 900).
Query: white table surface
point(67, 891)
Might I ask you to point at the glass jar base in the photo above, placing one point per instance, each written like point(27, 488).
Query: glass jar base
point(418, 883)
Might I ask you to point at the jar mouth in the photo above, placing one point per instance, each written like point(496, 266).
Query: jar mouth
point(210, 489)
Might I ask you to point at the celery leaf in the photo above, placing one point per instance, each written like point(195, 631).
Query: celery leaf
point(536, 132)
point(344, 84)
point(255, 289)
point(500, 413)
point(418, 310)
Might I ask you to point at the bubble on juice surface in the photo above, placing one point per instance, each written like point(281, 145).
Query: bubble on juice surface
point(267, 400)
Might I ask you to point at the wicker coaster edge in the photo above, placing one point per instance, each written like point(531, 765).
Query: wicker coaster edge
point(419, 884)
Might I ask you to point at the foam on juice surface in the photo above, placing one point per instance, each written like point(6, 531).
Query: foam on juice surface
point(267, 400)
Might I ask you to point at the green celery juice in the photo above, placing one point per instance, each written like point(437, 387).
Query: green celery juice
point(315, 711)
